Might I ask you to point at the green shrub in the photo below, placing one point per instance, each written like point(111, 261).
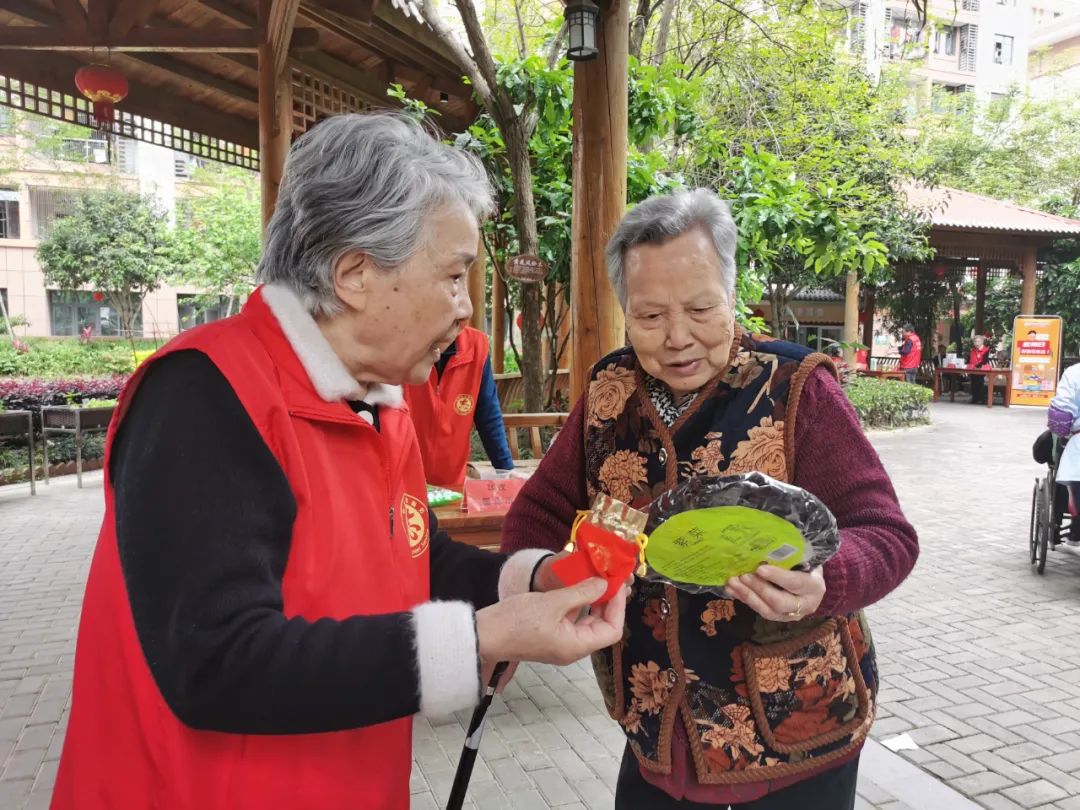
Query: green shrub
point(889, 403)
point(67, 357)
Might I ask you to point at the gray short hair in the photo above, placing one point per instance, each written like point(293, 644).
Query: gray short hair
point(663, 217)
point(361, 182)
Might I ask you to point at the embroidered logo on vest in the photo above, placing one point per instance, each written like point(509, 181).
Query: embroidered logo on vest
point(413, 516)
point(463, 405)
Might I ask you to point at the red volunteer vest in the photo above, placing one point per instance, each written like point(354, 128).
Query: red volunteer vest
point(443, 410)
point(359, 546)
point(913, 358)
point(978, 357)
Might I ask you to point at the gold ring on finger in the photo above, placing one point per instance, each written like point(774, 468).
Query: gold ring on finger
point(796, 614)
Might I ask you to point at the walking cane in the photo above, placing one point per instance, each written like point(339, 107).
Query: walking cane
point(472, 741)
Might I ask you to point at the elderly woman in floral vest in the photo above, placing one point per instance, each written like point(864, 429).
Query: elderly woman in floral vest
point(762, 701)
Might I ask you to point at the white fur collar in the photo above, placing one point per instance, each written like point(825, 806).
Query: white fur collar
point(328, 374)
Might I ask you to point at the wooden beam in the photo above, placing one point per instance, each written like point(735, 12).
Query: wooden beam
point(478, 288)
point(72, 12)
point(98, 13)
point(33, 13)
point(190, 73)
point(851, 314)
point(161, 40)
point(226, 10)
point(498, 324)
point(127, 14)
point(275, 107)
point(360, 10)
point(870, 299)
point(980, 298)
point(55, 71)
point(599, 177)
point(279, 30)
point(1027, 291)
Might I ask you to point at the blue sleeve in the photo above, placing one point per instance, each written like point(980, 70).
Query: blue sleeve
point(489, 421)
point(906, 348)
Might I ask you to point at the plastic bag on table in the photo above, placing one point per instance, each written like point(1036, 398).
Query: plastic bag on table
point(711, 528)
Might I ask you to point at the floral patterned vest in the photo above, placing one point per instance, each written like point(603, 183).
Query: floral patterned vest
point(760, 700)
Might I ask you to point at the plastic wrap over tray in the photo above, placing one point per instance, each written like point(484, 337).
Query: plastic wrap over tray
point(808, 516)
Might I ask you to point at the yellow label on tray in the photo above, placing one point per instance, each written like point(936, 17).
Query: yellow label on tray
point(709, 546)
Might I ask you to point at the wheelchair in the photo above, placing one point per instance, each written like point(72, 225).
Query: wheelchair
point(1050, 519)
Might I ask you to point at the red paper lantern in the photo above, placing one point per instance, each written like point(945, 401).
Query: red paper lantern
point(103, 86)
point(98, 296)
point(940, 269)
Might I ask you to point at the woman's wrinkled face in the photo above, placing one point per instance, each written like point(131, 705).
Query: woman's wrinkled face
point(678, 313)
point(399, 321)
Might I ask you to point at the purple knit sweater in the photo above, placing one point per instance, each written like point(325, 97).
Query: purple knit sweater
point(833, 460)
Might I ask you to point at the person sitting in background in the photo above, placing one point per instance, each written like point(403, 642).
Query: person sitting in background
point(1063, 419)
point(459, 393)
point(910, 353)
point(843, 370)
point(979, 358)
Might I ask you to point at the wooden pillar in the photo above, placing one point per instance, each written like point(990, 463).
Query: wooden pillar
point(980, 299)
point(851, 314)
point(478, 288)
point(562, 317)
point(275, 127)
point(599, 172)
point(1027, 294)
point(498, 324)
point(869, 304)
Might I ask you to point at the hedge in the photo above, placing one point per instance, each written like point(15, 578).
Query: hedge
point(70, 357)
point(889, 403)
point(18, 394)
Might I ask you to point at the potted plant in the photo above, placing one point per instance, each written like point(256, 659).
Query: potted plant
point(75, 419)
point(20, 423)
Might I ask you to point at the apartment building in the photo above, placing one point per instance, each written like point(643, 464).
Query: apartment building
point(967, 46)
point(35, 186)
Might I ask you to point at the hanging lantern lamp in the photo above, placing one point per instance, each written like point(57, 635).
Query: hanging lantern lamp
point(582, 20)
point(104, 87)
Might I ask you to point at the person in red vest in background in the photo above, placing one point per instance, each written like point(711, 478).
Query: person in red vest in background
point(979, 358)
point(910, 353)
point(459, 393)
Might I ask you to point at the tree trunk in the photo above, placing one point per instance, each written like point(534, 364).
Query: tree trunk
point(663, 32)
point(532, 366)
point(778, 304)
point(639, 25)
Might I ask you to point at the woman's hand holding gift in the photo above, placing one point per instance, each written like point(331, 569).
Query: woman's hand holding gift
point(778, 594)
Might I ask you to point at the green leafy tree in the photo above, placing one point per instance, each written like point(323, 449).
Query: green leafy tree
point(1016, 148)
point(219, 233)
point(114, 242)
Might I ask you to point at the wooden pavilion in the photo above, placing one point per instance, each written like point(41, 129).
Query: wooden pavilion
point(236, 80)
point(978, 237)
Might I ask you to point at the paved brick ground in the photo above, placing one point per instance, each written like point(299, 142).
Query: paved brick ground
point(979, 655)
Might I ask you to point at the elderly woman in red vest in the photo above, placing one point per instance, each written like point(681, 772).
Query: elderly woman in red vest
point(764, 700)
point(979, 358)
point(270, 600)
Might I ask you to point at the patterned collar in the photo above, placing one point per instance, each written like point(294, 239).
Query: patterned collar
point(664, 402)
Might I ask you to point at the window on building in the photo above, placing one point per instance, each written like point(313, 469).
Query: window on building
point(195, 310)
point(971, 5)
point(48, 205)
point(819, 337)
point(1003, 49)
point(969, 43)
point(945, 40)
point(72, 311)
point(9, 213)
